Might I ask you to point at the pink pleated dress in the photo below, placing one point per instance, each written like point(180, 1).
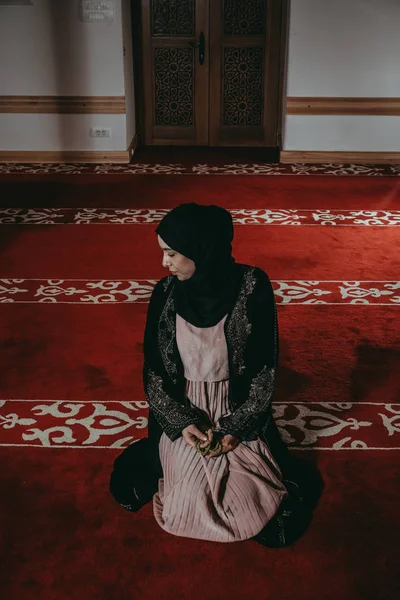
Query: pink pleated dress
point(227, 498)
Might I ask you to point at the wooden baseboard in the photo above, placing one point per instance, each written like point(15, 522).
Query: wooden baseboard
point(111, 105)
point(56, 156)
point(339, 157)
point(73, 156)
point(302, 105)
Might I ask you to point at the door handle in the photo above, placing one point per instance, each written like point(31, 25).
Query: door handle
point(201, 46)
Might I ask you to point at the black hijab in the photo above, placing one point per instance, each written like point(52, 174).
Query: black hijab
point(204, 234)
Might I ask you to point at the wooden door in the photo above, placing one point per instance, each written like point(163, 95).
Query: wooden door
point(176, 76)
point(244, 72)
point(228, 98)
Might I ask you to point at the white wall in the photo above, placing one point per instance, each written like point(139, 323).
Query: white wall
point(47, 50)
point(343, 48)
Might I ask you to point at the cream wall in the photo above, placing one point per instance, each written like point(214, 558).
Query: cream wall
point(47, 50)
point(345, 48)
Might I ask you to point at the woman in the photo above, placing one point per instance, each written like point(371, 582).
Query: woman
point(214, 459)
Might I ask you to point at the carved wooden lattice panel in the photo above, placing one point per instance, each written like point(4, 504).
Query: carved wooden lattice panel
point(243, 85)
point(244, 17)
point(173, 17)
point(174, 86)
point(210, 72)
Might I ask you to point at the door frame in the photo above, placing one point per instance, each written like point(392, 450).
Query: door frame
point(280, 68)
point(283, 70)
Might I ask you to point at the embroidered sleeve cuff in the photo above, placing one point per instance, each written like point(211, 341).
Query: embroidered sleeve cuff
point(244, 432)
point(174, 431)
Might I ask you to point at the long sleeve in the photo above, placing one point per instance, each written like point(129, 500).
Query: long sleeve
point(169, 410)
point(245, 422)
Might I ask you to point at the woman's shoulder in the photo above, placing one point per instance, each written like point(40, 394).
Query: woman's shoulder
point(256, 287)
point(253, 275)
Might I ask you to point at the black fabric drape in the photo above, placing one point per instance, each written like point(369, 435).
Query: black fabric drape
point(204, 234)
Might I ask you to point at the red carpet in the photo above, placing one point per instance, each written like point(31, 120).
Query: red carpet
point(74, 287)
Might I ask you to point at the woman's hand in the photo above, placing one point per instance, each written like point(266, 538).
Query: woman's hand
point(228, 443)
point(192, 434)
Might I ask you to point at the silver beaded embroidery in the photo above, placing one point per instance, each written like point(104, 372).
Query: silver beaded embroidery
point(167, 335)
point(261, 389)
point(239, 326)
point(171, 415)
point(263, 384)
point(258, 400)
point(166, 282)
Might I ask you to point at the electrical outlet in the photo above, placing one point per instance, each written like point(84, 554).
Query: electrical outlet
point(100, 132)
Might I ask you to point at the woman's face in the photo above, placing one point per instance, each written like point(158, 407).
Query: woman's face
point(178, 264)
